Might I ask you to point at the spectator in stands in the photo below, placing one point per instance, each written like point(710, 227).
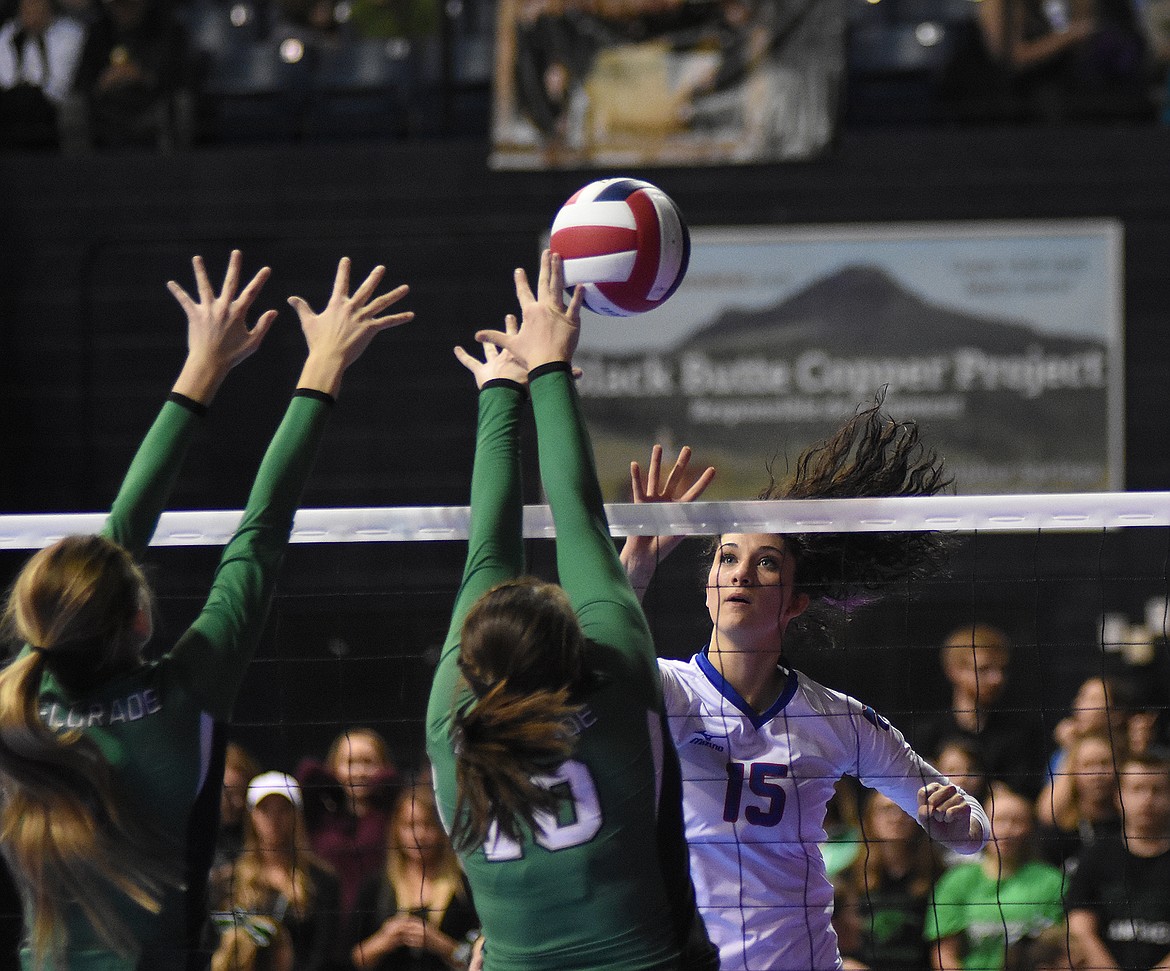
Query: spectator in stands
point(134, 84)
point(847, 925)
point(1079, 805)
point(278, 876)
point(39, 52)
point(238, 770)
point(843, 842)
point(1053, 949)
point(1057, 60)
point(1145, 728)
point(417, 914)
point(962, 762)
point(252, 942)
point(893, 880)
point(980, 909)
point(347, 807)
point(1101, 706)
point(1119, 898)
point(975, 660)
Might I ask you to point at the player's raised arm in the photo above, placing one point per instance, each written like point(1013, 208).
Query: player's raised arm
point(641, 555)
point(231, 621)
point(98, 844)
point(218, 338)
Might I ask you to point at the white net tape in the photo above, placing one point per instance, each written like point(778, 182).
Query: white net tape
point(993, 513)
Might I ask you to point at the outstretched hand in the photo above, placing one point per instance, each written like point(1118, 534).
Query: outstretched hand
point(218, 337)
point(339, 334)
point(496, 363)
point(641, 554)
point(548, 329)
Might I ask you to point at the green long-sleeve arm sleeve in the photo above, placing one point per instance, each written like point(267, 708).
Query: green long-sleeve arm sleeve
point(213, 654)
point(495, 547)
point(587, 561)
point(152, 475)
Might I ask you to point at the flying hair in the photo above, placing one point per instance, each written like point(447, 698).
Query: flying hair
point(871, 455)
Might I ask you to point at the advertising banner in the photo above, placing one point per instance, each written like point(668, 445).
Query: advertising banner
point(1002, 340)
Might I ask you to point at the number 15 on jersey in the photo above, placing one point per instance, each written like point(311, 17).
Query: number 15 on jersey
point(761, 779)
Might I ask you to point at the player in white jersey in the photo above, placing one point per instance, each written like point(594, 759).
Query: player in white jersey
point(761, 745)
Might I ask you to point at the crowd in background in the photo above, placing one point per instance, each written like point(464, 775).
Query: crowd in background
point(344, 863)
point(107, 74)
point(81, 75)
point(359, 872)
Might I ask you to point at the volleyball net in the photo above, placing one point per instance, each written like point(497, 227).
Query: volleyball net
point(1079, 585)
point(1078, 582)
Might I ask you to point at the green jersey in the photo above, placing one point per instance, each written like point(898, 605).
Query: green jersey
point(153, 724)
point(990, 914)
point(606, 883)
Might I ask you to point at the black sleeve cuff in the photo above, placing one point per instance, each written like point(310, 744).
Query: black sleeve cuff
point(505, 383)
point(314, 393)
point(193, 406)
point(549, 368)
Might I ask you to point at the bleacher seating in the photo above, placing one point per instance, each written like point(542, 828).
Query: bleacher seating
point(360, 88)
point(897, 55)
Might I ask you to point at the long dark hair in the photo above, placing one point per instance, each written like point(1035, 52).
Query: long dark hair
point(521, 651)
point(871, 455)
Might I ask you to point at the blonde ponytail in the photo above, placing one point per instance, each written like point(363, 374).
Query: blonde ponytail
point(63, 831)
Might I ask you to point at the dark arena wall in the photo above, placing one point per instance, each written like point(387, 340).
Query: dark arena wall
point(90, 339)
point(91, 334)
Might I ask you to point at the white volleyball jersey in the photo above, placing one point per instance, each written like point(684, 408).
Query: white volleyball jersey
point(755, 790)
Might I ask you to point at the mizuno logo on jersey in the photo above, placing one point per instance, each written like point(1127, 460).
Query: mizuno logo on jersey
point(706, 740)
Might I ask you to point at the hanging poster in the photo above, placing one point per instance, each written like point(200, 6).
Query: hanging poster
point(1002, 340)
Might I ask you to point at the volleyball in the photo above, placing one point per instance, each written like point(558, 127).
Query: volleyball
point(626, 242)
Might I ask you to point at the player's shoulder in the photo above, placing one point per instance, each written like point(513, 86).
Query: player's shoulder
point(1043, 873)
point(843, 708)
point(680, 678)
point(822, 698)
point(679, 669)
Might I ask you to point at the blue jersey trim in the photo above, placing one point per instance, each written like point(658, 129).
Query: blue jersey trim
point(729, 692)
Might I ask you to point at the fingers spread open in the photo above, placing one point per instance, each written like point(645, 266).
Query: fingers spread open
point(231, 278)
point(249, 292)
point(341, 280)
point(182, 296)
point(523, 290)
point(202, 283)
point(366, 290)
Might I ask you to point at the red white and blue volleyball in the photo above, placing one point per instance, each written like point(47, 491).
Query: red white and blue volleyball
point(626, 242)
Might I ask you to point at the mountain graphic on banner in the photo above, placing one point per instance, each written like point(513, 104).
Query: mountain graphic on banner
point(1014, 406)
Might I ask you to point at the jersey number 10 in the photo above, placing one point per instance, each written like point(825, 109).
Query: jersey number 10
point(551, 832)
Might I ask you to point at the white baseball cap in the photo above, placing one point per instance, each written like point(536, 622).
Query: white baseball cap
point(274, 784)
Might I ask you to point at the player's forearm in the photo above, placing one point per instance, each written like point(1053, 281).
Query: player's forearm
point(639, 562)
